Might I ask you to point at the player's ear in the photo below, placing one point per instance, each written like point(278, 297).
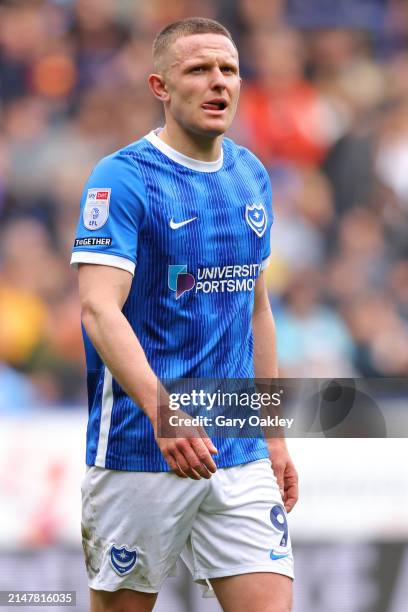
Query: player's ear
point(158, 87)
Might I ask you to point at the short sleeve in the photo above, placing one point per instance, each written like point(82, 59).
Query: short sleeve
point(266, 247)
point(113, 206)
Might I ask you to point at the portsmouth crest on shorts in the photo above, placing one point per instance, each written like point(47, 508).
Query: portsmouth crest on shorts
point(96, 211)
point(256, 217)
point(122, 559)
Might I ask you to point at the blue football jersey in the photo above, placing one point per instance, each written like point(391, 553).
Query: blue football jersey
point(195, 236)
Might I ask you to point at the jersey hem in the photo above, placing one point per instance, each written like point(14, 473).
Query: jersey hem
point(138, 466)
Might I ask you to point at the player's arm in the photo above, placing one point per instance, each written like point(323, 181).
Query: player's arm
point(266, 366)
point(103, 291)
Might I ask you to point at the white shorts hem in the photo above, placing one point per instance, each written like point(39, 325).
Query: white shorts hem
point(116, 587)
point(204, 580)
point(205, 575)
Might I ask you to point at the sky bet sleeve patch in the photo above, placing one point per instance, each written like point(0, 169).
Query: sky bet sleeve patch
point(96, 210)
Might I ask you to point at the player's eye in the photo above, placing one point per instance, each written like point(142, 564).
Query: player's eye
point(229, 69)
point(198, 69)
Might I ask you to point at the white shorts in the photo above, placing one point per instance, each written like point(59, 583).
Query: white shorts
point(135, 525)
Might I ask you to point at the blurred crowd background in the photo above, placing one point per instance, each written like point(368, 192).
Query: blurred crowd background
point(324, 104)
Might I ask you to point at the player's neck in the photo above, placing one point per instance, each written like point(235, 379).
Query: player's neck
point(196, 147)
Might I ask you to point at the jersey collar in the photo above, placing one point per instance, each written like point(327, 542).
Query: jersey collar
point(180, 158)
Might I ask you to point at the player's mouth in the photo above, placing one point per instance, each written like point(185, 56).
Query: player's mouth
point(216, 106)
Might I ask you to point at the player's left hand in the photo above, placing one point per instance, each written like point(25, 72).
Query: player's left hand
point(285, 471)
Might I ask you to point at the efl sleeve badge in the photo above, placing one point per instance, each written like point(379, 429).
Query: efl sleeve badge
point(96, 210)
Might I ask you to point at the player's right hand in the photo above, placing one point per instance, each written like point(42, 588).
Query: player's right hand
point(186, 449)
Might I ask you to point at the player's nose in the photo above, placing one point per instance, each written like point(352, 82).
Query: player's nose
point(218, 80)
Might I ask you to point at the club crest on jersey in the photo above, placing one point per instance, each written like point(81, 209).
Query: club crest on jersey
point(122, 559)
point(96, 211)
point(256, 217)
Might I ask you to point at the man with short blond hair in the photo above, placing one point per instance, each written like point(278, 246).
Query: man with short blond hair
point(171, 246)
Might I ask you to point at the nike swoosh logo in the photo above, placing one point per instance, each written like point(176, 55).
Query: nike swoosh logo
point(175, 225)
point(275, 556)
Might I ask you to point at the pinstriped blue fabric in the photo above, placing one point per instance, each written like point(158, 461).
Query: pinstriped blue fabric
point(198, 244)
